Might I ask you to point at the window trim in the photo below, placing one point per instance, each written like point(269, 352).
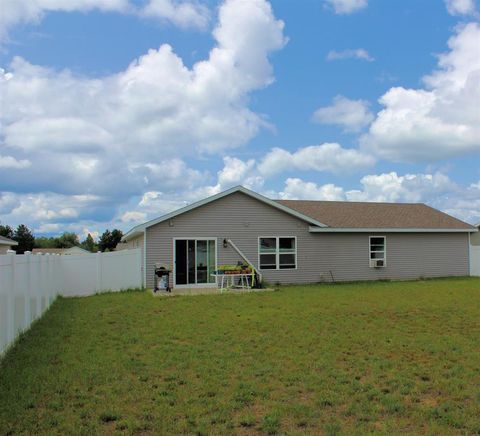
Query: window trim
point(370, 251)
point(277, 253)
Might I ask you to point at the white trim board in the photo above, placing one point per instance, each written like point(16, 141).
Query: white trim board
point(386, 230)
point(138, 230)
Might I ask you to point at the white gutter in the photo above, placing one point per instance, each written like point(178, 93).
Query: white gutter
point(245, 258)
point(313, 229)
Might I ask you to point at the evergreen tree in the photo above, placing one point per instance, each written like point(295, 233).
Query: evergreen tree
point(6, 231)
point(25, 239)
point(104, 241)
point(109, 239)
point(89, 244)
point(115, 238)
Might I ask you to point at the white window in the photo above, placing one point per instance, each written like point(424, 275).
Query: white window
point(378, 255)
point(277, 252)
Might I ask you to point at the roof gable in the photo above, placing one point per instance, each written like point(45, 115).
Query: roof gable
point(138, 230)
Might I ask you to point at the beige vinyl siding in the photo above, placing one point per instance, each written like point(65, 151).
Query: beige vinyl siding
point(345, 256)
point(475, 239)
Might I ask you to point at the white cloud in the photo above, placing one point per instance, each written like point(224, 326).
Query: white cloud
point(157, 103)
point(297, 189)
point(119, 136)
point(15, 12)
point(236, 172)
point(186, 13)
point(11, 162)
point(461, 7)
point(347, 6)
point(410, 188)
point(183, 14)
point(440, 121)
point(133, 217)
point(329, 157)
point(350, 53)
point(352, 115)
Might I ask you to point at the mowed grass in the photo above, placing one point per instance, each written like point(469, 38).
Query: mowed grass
point(326, 359)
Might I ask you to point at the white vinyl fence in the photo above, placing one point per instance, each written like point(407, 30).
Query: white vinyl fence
point(474, 260)
point(30, 283)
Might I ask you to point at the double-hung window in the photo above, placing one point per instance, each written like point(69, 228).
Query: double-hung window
point(378, 255)
point(277, 252)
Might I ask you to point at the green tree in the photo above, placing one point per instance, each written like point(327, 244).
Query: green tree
point(25, 239)
point(45, 242)
point(67, 240)
point(116, 238)
point(109, 239)
point(104, 241)
point(89, 244)
point(6, 231)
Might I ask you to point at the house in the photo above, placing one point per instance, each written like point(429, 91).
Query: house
point(6, 244)
point(291, 241)
point(475, 237)
point(65, 251)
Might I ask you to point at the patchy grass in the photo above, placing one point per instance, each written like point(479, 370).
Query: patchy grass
point(332, 359)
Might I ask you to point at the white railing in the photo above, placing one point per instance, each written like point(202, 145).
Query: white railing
point(30, 283)
point(475, 260)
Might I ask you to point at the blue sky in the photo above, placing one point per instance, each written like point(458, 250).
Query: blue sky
point(103, 124)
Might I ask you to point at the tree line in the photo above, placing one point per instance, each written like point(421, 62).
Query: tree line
point(27, 241)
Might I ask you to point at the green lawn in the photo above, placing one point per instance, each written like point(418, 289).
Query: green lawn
point(333, 359)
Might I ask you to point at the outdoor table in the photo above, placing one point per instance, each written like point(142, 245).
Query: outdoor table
point(243, 281)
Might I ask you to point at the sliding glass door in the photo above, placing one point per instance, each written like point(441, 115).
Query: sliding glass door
point(195, 261)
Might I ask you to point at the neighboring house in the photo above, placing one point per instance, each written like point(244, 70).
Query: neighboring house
point(72, 251)
point(6, 244)
point(475, 237)
point(291, 241)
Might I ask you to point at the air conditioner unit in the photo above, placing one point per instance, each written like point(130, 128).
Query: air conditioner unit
point(377, 263)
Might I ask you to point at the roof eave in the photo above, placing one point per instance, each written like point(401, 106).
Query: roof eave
point(314, 229)
point(10, 243)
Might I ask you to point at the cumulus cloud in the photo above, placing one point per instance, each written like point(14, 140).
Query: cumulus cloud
point(349, 53)
point(347, 6)
point(352, 115)
point(461, 7)
point(440, 121)
point(11, 162)
point(15, 12)
point(297, 189)
point(119, 136)
point(186, 13)
point(133, 217)
point(182, 14)
point(330, 157)
point(157, 103)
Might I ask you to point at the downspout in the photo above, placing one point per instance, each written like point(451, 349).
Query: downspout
point(245, 258)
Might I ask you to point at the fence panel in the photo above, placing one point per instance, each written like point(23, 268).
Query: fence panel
point(30, 283)
point(92, 273)
point(475, 260)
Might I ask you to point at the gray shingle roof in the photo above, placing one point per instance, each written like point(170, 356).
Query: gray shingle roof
point(345, 214)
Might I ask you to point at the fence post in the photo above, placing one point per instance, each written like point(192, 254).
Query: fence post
point(139, 267)
point(10, 288)
point(28, 290)
point(98, 286)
